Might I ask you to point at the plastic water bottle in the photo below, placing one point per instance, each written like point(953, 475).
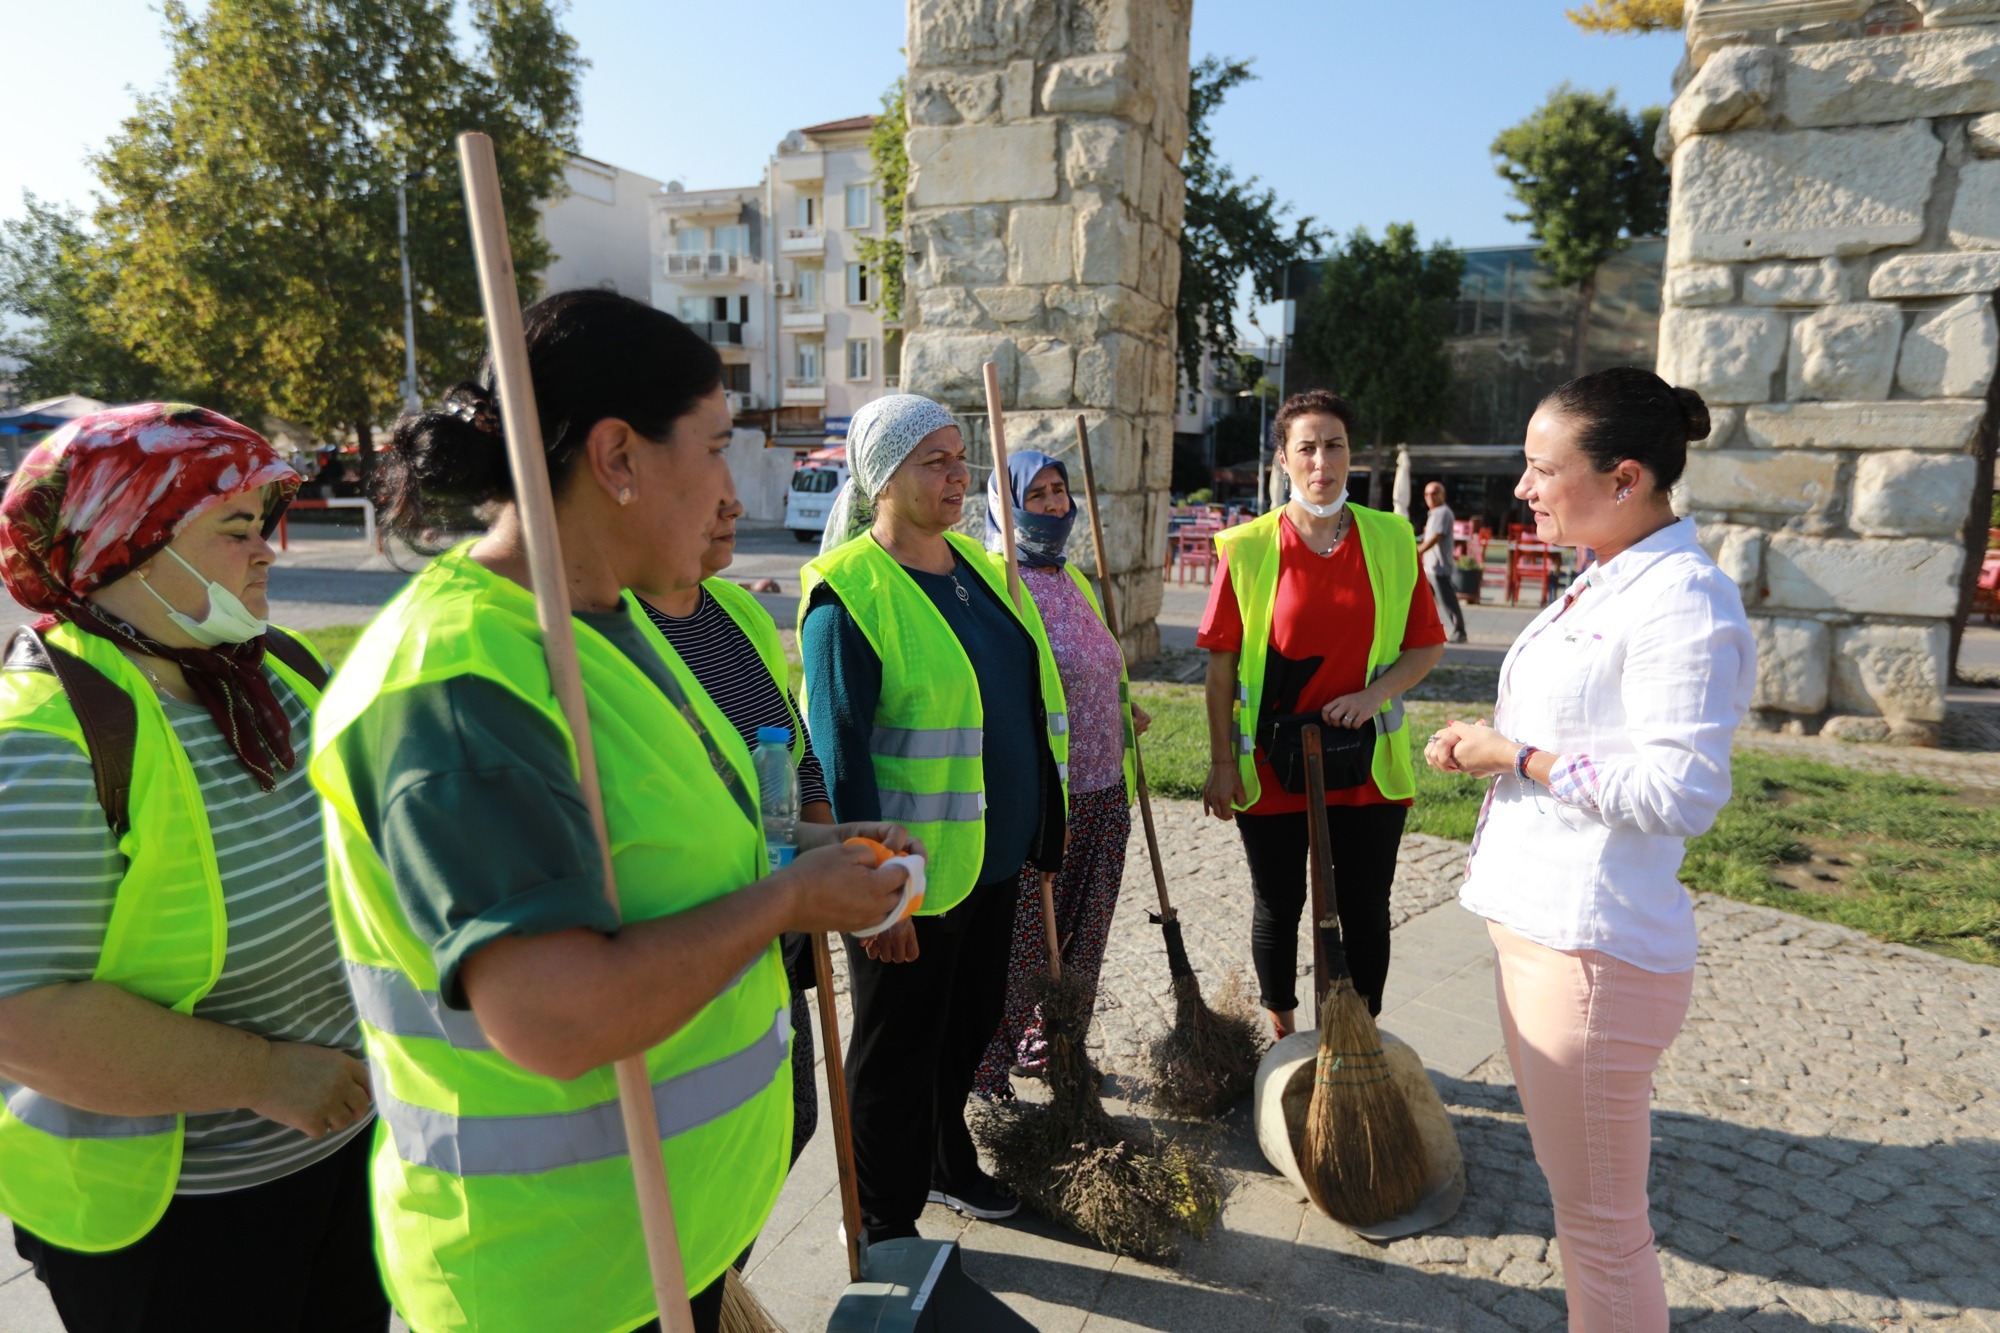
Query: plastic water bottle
point(778, 794)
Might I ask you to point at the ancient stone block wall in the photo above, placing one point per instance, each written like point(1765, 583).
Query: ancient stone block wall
point(1044, 215)
point(1833, 250)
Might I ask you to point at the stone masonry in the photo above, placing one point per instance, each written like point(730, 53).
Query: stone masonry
point(1833, 250)
point(1043, 229)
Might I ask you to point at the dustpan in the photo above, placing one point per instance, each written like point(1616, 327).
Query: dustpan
point(907, 1285)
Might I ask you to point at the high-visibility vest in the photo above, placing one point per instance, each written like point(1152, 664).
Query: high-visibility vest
point(1124, 677)
point(503, 1199)
point(930, 722)
point(1389, 550)
point(762, 631)
point(81, 1179)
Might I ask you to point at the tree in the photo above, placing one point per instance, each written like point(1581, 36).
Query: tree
point(888, 151)
point(51, 277)
point(250, 207)
point(1377, 323)
point(1583, 170)
point(1629, 16)
point(1231, 229)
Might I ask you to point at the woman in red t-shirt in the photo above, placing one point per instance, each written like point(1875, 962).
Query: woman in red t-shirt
point(1323, 627)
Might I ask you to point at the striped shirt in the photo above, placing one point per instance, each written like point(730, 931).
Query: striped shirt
point(281, 972)
point(725, 662)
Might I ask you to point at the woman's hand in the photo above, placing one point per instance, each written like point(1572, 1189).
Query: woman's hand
point(1353, 710)
point(1471, 747)
point(1223, 791)
point(1141, 719)
point(840, 888)
point(893, 836)
point(897, 944)
point(313, 1089)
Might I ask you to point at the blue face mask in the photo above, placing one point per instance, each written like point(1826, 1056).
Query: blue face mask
point(1042, 538)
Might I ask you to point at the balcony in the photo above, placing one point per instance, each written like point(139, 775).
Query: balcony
point(798, 168)
point(801, 316)
point(802, 241)
point(804, 391)
point(718, 334)
point(739, 403)
point(710, 266)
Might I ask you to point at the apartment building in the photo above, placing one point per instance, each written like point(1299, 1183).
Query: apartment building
point(599, 229)
point(773, 276)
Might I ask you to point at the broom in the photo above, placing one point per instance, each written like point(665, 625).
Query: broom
point(1207, 1060)
point(1068, 1158)
point(501, 297)
point(1363, 1158)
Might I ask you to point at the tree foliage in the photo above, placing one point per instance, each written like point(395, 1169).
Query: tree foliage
point(1377, 324)
point(1629, 16)
point(1583, 170)
point(889, 152)
point(245, 238)
point(1231, 229)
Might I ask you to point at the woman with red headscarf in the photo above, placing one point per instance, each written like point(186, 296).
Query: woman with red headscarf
point(181, 1142)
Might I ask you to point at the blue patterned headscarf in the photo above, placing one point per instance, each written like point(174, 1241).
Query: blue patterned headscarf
point(879, 438)
point(1039, 539)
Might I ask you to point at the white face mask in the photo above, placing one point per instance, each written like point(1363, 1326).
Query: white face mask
point(1320, 511)
point(227, 621)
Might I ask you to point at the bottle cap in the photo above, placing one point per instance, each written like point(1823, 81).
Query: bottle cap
point(774, 735)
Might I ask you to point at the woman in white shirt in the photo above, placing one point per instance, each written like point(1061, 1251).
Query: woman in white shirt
point(1610, 746)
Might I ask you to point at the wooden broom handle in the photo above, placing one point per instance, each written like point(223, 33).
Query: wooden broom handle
point(1317, 839)
point(836, 1099)
point(1111, 623)
point(1048, 882)
point(997, 423)
point(494, 259)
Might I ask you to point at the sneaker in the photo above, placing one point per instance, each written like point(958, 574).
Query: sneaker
point(1459, 637)
point(985, 1198)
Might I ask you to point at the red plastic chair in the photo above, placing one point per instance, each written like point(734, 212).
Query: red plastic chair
point(1531, 561)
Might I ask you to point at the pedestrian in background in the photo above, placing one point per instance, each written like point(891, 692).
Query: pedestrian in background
point(1439, 553)
point(1102, 724)
point(184, 1142)
point(1317, 615)
point(730, 643)
point(935, 702)
point(1609, 748)
point(495, 981)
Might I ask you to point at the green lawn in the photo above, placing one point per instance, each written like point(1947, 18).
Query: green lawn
point(334, 641)
point(1904, 860)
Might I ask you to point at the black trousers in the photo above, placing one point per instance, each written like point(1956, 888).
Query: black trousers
point(919, 1031)
point(1444, 591)
point(296, 1255)
point(1364, 840)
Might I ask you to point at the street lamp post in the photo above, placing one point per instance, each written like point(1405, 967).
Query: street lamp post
point(412, 402)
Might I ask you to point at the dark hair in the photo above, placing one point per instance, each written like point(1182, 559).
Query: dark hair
point(1630, 413)
point(594, 355)
point(1306, 404)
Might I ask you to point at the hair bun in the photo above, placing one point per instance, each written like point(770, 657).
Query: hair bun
point(1696, 412)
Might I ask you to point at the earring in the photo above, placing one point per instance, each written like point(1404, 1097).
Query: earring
point(624, 495)
point(1624, 495)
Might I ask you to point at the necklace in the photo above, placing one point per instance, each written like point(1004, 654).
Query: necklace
point(1339, 534)
point(158, 684)
point(964, 597)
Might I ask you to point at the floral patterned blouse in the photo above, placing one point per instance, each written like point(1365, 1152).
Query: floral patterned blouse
point(1089, 662)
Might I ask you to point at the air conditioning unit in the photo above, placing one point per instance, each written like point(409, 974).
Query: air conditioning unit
point(781, 287)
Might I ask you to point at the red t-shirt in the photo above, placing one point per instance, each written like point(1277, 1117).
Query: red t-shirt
point(1321, 629)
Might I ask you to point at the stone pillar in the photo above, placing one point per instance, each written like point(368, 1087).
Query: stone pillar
point(1833, 249)
point(1043, 229)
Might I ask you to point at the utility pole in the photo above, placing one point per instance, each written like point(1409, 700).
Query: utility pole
point(412, 401)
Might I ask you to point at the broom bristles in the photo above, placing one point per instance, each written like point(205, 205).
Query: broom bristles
point(743, 1312)
point(1363, 1159)
point(1208, 1060)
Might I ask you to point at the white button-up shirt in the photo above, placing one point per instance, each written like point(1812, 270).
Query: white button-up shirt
point(1638, 683)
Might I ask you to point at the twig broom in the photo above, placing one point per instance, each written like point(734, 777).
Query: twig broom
point(1068, 1158)
point(1363, 1158)
point(1207, 1060)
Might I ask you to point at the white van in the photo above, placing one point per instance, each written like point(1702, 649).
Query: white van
point(810, 497)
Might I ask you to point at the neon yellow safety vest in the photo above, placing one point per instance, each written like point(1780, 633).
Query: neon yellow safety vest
point(1389, 550)
point(1124, 677)
point(503, 1199)
point(76, 1178)
point(929, 723)
point(762, 631)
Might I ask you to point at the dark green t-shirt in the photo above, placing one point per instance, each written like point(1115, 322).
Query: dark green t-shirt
point(468, 796)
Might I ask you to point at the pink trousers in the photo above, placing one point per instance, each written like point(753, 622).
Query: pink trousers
point(1584, 1033)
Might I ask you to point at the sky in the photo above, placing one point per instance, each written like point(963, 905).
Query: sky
point(1364, 113)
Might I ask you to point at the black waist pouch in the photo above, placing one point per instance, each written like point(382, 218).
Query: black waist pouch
point(1349, 753)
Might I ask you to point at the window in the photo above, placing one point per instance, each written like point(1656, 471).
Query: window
point(719, 309)
point(742, 310)
point(693, 309)
point(691, 240)
point(736, 376)
point(808, 210)
point(733, 240)
point(857, 206)
point(808, 288)
point(816, 480)
point(807, 360)
point(857, 284)
point(857, 359)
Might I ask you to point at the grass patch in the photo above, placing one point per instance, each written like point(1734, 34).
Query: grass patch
point(334, 641)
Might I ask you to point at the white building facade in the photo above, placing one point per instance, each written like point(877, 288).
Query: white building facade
point(600, 230)
point(709, 271)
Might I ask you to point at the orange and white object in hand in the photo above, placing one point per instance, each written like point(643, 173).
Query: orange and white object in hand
point(913, 886)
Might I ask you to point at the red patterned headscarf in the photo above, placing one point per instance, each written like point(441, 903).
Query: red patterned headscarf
point(109, 491)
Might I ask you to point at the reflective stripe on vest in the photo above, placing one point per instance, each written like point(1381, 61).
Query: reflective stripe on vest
point(523, 1145)
point(81, 1179)
point(390, 1002)
point(927, 742)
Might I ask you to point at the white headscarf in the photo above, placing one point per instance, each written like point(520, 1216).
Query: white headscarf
point(879, 438)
